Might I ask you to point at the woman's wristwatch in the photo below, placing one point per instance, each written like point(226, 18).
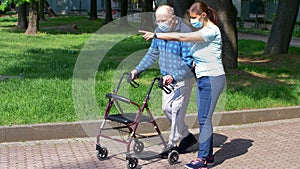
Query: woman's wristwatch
point(154, 35)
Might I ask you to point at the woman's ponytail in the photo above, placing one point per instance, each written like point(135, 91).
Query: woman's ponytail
point(212, 15)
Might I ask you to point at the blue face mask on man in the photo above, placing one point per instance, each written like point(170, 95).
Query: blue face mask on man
point(164, 27)
point(196, 23)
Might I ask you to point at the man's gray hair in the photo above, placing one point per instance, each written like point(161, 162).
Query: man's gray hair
point(169, 9)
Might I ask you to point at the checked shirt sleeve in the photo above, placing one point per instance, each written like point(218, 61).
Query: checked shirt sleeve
point(150, 57)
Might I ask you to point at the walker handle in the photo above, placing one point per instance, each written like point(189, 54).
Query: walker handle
point(165, 88)
point(131, 81)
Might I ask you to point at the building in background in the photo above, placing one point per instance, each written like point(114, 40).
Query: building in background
point(83, 6)
point(247, 10)
point(260, 13)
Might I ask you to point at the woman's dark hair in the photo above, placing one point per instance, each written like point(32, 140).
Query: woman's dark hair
point(199, 7)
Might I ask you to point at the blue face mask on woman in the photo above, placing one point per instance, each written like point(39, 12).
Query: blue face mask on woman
point(196, 23)
point(164, 27)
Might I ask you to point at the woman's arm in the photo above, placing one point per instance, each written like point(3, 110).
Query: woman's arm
point(183, 37)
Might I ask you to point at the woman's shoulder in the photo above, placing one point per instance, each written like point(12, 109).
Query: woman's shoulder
point(210, 32)
point(212, 28)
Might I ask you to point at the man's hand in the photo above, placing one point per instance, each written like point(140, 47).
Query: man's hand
point(167, 79)
point(147, 35)
point(134, 74)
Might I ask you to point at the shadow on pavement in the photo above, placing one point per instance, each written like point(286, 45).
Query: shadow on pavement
point(219, 140)
point(234, 148)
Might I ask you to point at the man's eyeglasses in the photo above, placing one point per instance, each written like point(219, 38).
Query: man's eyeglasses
point(162, 20)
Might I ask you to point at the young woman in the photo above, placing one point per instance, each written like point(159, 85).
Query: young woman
point(209, 70)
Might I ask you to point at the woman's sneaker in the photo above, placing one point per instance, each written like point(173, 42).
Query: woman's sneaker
point(210, 160)
point(197, 164)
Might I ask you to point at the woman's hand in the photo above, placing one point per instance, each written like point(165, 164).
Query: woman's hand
point(147, 35)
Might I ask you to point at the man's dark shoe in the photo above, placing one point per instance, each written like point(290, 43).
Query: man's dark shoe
point(186, 142)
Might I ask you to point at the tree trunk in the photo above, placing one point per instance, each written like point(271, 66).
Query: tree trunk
point(41, 10)
point(124, 7)
point(108, 14)
point(227, 25)
point(22, 16)
point(93, 12)
point(49, 10)
point(161, 2)
point(147, 16)
point(181, 6)
point(282, 28)
point(32, 18)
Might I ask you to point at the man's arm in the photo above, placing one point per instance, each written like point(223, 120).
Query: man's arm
point(150, 57)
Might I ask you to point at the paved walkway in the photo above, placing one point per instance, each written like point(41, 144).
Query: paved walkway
point(261, 145)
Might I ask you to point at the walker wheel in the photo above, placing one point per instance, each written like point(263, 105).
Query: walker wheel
point(132, 163)
point(138, 147)
point(102, 153)
point(173, 157)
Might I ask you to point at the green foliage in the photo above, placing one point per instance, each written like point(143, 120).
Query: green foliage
point(5, 3)
point(296, 31)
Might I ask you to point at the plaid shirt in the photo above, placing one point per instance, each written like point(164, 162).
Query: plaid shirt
point(175, 58)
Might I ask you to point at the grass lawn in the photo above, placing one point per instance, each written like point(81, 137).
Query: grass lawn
point(41, 78)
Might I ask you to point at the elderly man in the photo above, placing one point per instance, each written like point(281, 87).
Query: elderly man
point(176, 64)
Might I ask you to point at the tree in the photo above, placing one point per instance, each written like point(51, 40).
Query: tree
point(124, 8)
point(227, 24)
point(147, 15)
point(282, 28)
point(108, 14)
point(259, 10)
point(161, 2)
point(41, 10)
point(180, 6)
point(22, 16)
point(49, 10)
point(93, 12)
point(32, 18)
point(33, 14)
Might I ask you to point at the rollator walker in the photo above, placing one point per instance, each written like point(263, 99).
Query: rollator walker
point(129, 123)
